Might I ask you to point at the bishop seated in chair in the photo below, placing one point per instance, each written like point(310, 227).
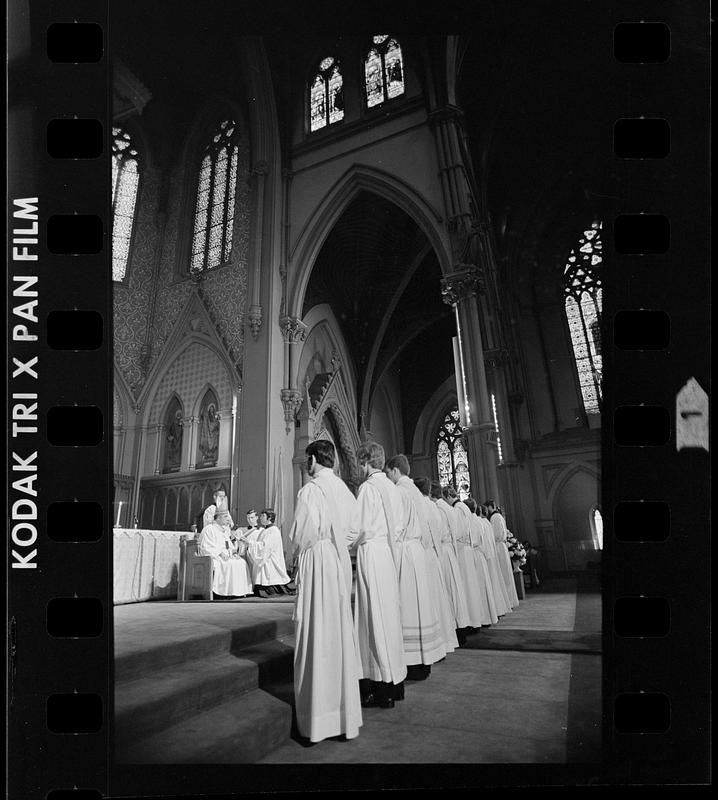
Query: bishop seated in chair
point(231, 575)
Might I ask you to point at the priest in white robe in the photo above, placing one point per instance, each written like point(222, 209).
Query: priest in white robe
point(478, 610)
point(231, 576)
point(482, 567)
point(498, 524)
point(377, 615)
point(453, 579)
point(488, 548)
point(423, 639)
point(431, 518)
point(326, 661)
point(266, 554)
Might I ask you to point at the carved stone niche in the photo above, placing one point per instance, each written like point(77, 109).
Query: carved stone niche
point(461, 284)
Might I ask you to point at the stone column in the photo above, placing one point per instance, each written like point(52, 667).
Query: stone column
point(158, 447)
point(458, 290)
point(255, 313)
point(190, 426)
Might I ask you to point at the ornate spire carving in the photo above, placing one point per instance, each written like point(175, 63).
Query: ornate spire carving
point(462, 284)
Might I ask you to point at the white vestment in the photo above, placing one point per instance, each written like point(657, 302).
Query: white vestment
point(482, 567)
point(488, 548)
point(377, 615)
point(231, 576)
point(432, 546)
point(326, 662)
point(453, 577)
point(475, 597)
point(266, 555)
point(502, 553)
point(423, 637)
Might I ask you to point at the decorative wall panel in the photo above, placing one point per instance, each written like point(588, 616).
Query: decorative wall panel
point(188, 375)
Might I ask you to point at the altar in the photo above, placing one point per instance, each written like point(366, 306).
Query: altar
point(146, 564)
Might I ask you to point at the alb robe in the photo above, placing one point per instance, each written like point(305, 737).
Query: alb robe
point(482, 567)
point(377, 616)
point(230, 577)
point(453, 578)
point(488, 548)
point(475, 596)
point(423, 638)
point(266, 555)
point(432, 546)
point(498, 525)
point(326, 662)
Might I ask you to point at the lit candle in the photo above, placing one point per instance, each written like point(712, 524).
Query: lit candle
point(119, 511)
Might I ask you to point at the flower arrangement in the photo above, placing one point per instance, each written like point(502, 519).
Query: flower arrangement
point(516, 550)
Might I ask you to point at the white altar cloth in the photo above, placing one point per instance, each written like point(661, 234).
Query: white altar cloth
point(145, 564)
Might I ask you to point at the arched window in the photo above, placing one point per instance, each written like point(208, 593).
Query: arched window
point(451, 456)
point(326, 95)
point(383, 71)
point(597, 528)
point(496, 428)
point(125, 182)
point(214, 211)
point(172, 458)
point(208, 439)
point(582, 294)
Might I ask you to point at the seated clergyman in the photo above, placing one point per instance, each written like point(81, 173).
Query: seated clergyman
point(231, 576)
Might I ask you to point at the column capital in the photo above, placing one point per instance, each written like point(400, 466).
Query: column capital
point(496, 358)
point(466, 281)
point(260, 168)
point(293, 329)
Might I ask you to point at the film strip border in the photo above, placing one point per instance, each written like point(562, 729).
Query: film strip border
point(655, 456)
point(59, 401)
point(656, 576)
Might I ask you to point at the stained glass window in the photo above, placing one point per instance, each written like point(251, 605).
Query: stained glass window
point(597, 529)
point(383, 71)
point(451, 456)
point(125, 182)
point(496, 428)
point(582, 295)
point(214, 210)
point(326, 95)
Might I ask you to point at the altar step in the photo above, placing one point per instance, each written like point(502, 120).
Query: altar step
point(207, 699)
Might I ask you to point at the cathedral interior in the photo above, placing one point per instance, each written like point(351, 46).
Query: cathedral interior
point(390, 236)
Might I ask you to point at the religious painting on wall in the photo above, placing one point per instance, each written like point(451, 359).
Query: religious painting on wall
point(209, 421)
point(173, 437)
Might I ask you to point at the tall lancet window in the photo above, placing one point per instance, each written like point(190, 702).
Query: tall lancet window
point(214, 211)
point(451, 455)
point(383, 71)
point(582, 295)
point(125, 182)
point(496, 428)
point(326, 95)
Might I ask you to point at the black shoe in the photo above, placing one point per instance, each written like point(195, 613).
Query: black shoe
point(398, 691)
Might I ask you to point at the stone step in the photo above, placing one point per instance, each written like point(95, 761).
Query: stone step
point(241, 730)
point(153, 702)
point(198, 645)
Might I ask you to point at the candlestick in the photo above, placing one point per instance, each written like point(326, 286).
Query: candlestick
point(119, 511)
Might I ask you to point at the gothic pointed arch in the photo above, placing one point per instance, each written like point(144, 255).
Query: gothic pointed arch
point(355, 180)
